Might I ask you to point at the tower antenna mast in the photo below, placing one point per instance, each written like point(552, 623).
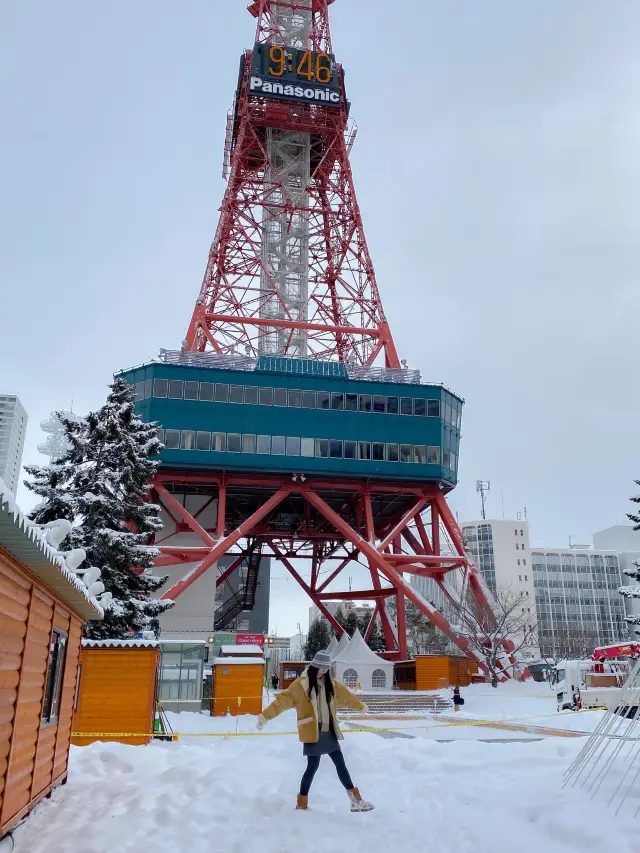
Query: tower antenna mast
point(482, 487)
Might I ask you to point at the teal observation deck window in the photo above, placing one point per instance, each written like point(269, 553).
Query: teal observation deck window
point(299, 416)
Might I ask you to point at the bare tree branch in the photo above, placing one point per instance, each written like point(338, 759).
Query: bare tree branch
point(511, 620)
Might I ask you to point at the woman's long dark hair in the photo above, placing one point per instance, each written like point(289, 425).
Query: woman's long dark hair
point(313, 683)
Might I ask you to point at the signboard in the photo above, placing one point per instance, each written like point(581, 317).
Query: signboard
point(229, 638)
point(294, 74)
point(250, 639)
point(224, 638)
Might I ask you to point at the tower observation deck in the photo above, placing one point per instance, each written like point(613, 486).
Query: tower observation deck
point(290, 427)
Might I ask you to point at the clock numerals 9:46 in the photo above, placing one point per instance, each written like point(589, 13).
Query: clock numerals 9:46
point(311, 66)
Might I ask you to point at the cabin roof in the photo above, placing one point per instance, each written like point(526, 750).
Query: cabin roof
point(120, 644)
point(24, 541)
point(241, 650)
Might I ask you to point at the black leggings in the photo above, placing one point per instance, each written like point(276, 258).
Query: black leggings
point(313, 762)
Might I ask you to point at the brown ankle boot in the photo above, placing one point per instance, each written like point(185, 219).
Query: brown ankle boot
point(303, 803)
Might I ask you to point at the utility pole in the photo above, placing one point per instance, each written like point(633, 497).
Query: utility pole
point(483, 486)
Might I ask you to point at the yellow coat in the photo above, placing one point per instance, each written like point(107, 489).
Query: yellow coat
point(297, 696)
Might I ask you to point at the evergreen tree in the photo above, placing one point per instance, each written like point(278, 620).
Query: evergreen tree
point(342, 622)
point(117, 522)
point(351, 623)
point(101, 485)
point(633, 591)
point(422, 636)
point(376, 641)
point(54, 483)
point(318, 638)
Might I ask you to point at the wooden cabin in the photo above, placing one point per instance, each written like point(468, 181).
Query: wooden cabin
point(404, 674)
point(117, 687)
point(43, 607)
point(289, 671)
point(237, 685)
point(434, 672)
point(438, 671)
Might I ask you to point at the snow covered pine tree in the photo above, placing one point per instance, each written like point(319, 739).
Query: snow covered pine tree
point(318, 638)
point(633, 591)
point(54, 482)
point(102, 483)
point(110, 501)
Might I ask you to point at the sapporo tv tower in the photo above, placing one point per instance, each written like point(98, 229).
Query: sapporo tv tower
point(282, 436)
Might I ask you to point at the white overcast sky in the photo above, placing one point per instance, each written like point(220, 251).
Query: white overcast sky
point(497, 170)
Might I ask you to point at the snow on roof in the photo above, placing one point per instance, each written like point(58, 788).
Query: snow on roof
point(241, 650)
point(359, 652)
point(120, 644)
point(26, 542)
point(234, 661)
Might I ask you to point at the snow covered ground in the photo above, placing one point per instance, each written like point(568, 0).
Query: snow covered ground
point(236, 794)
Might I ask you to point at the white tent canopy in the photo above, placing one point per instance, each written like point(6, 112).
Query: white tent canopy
point(333, 645)
point(357, 666)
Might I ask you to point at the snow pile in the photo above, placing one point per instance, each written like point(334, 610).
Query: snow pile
point(120, 644)
point(242, 650)
point(237, 795)
point(48, 537)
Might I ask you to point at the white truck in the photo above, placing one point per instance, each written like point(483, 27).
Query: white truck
point(597, 683)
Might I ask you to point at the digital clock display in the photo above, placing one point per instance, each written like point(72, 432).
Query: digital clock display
point(293, 74)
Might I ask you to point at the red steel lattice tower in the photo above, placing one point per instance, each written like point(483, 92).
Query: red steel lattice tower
point(289, 270)
point(289, 274)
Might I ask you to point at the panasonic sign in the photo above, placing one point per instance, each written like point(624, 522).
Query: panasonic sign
point(288, 92)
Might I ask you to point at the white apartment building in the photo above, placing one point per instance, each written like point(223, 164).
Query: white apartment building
point(502, 552)
point(577, 599)
point(13, 428)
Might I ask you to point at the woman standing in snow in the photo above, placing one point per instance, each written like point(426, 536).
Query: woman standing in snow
point(314, 697)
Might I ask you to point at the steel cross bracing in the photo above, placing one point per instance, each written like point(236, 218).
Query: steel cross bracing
point(289, 269)
point(389, 528)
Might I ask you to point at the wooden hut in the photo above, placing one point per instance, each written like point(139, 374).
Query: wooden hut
point(438, 671)
point(43, 606)
point(237, 685)
point(289, 671)
point(433, 672)
point(404, 674)
point(116, 691)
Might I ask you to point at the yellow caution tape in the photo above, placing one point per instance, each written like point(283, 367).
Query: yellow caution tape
point(435, 725)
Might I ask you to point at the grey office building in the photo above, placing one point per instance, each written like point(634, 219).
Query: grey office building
point(577, 596)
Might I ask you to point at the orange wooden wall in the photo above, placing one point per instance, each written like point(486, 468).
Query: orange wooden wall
point(432, 670)
point(233, 682)
point(33, 758)
point(117, 693)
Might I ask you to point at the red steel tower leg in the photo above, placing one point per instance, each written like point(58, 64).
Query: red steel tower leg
point(387, 547)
